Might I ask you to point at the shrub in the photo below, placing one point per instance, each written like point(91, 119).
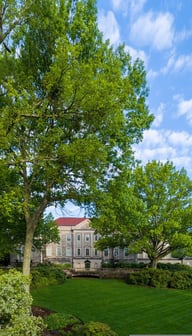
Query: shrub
point(15, 307)
point(181, 280)
point(174, 267)
point(149, 277)
point(66, 266)
point(123, 264)
point(159, 278)
point(97, 329)
point(46, 275)
point(66, 324)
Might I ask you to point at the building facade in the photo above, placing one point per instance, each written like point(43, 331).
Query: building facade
point(77, 248)
point(76, 245)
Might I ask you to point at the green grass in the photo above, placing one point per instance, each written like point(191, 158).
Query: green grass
point(127, 309)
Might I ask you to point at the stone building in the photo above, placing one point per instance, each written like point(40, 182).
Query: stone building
point(76, 244)
point(77, 239)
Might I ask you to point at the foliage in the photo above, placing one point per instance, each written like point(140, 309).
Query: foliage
point(123, 264)
point(46, 232)
point(179, 253)
point(15, 307)
point(98, 329)
point(66, 266)
point(66, 324)
point(164, 209)
point(150, 277)
point(150, 209)
point(174, 267)
point(181, 279)
point(46, 275)
point(71, 106)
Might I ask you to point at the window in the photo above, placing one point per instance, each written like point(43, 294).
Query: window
point(96, 253)
point(87, 237)
point(78, 252)
point(106, 252)
point(87, 252)
point(96, 237)
point(58, 251)
point(126, 252)
point(78, 237)
point(68, 237)
point(68, 252)
point(116, 252)
point(49, 251)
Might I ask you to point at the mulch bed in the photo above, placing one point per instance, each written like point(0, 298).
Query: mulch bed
point(42, 312)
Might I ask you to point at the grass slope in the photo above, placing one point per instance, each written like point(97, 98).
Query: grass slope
point(127, 309)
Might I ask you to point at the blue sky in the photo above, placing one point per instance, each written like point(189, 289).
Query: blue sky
point(160, 33)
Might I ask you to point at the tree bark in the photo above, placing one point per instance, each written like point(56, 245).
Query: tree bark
point(154, 263)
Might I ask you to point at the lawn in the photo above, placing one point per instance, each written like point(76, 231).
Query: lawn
point(127, 309)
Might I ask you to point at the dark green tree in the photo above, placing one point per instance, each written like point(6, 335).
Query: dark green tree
point(150, 208)
point(71, 110)
point(165, 210)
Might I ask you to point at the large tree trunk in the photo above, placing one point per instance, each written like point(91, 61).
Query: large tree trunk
point(154, 263)
point(31, 224)
point(28, 250)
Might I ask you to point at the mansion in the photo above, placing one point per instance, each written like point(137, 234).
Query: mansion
point(76, 247)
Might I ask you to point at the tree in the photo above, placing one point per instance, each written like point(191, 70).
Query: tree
point(46, 232)
point(72, 110)
point(165, 210)
point(12, 15)
point(149, 209)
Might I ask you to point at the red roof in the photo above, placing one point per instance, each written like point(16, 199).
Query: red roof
point(69, 221)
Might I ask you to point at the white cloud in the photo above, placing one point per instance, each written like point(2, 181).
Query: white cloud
point(185, 109)
point(121, 5)
point(184, 62)
point(109, 26)
point(180, 139)
point(159, 115)
point(128, 6)
point(178, 64)
point(136, 53)
point(170, 65)
point(137, 6)
point(163, 145)
point(183, 35)
point(155, 30)
point(151, 74)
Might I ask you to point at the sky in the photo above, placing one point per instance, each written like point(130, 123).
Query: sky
point(160, 33)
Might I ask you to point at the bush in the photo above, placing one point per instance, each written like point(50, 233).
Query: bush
point(15, 307)
point(181, 280)
point(161, 278)
point(97, 329)
point(66, 324)
point(123, 264)
point(174, 267)
point(150, 277)
point(47, 274)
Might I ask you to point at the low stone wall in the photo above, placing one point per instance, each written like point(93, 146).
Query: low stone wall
point(105, 273)
point(115, 273)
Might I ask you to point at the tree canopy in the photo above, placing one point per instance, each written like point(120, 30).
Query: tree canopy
point(165, 209)
point(71, 106)
point(151, 210)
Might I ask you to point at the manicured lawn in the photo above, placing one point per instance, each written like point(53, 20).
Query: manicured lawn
point(127, 309)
